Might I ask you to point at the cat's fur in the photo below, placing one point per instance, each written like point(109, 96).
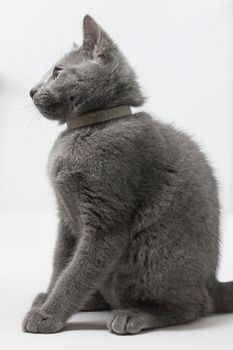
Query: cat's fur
point(137, 200)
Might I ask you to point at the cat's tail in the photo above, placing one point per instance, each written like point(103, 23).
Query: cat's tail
point(222, 294)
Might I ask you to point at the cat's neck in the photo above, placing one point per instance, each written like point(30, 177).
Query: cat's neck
point(98, 116)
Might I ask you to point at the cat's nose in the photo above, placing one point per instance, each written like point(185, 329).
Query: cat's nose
point(32, 92)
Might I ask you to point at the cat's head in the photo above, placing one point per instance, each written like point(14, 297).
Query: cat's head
point(94, 76)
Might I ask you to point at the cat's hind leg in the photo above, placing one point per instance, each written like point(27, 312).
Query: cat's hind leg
point(132, 321)
point(96, 303)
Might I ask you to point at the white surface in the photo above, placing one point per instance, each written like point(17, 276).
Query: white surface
point(25, 259)
point(182, 51)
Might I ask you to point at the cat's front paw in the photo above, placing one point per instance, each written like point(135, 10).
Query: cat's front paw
point(37, 321)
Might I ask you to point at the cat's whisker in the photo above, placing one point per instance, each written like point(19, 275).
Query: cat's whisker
point(24, 118)
point(35, 122)
point(28, 120)
point(32, 128)
point(27, 107)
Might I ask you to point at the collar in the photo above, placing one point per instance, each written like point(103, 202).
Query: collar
point(98, 117)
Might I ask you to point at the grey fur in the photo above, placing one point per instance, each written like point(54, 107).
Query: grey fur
point(138, 205)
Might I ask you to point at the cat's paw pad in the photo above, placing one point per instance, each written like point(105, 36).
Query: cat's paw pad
point(39, 300)
point(126, 322)
point(37, 321)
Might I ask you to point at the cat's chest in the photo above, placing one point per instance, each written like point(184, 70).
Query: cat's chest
point(71, 153)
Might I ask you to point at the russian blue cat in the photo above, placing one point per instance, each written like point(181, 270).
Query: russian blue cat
point(137, 202)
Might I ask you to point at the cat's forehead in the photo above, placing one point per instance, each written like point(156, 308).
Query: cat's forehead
point(71, 58)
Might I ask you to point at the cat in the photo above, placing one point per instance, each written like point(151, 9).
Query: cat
point(137, 202)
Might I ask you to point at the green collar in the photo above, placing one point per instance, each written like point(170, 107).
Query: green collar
point(98, 117)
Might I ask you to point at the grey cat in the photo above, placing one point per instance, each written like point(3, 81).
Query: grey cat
point(137, 201)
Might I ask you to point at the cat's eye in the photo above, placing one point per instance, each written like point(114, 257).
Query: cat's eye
point(56, 72)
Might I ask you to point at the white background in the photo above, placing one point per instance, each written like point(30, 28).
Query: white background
point(183, 54)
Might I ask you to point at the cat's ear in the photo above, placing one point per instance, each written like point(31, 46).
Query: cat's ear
point(96, 40)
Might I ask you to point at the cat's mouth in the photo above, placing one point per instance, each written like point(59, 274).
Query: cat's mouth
point(53, 111)
point(47, 107)
point(49, 110)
